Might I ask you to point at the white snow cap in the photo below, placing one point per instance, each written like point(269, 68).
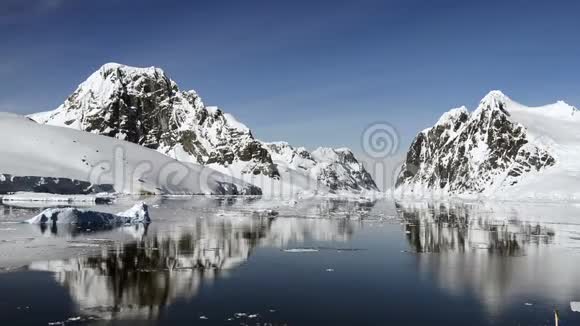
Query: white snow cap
point(559, 109)
point(146, 70)
point(325, 154)
point(493, 98)
point(452, 115)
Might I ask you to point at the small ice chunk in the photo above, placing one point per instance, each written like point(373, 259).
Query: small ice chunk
point(139, 213)
point(301, 250)
point(575, 306)
point(203, 317)
point(70, 215)
point(481, 246)
point(84, 245)
point(330, 269)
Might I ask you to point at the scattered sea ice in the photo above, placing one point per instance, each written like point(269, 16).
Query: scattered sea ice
point(301, 250)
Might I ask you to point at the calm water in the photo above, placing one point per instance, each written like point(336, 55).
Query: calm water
point(221, 261)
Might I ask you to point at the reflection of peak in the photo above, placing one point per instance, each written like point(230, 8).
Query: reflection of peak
point(440, 228)
point(475, 245)
point(139, 279)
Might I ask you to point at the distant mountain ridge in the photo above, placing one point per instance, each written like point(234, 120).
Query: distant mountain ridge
point(336, 168)
point(144, 106)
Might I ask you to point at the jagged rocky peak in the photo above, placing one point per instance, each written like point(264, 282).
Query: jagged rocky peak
point(494, 99)
point(493, 105)
point(473, 153)
point(453, 118)
point(144, 106)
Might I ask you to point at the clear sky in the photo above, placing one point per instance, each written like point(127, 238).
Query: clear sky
point(309, 72)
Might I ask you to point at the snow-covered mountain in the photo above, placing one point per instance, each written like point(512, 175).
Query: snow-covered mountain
point(144, 106)
point(40, 158)
point(502, 149)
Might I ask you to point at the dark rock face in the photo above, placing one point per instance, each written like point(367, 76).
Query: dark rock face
point(230, 189)
point(466, 153)
point(10, 183)
point(144, 106)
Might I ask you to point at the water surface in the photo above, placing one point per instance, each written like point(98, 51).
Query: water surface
point(227, 261)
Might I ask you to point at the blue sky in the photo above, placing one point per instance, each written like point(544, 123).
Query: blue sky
point(309, 72)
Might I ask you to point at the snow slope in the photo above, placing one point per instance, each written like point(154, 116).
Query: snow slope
point(502, 150)
point(556, 127)
point(42, 158)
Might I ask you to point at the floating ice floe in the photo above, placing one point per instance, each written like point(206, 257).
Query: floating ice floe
point(138, 214)
point(71, 320)
point(575, 306)
point(301, 250)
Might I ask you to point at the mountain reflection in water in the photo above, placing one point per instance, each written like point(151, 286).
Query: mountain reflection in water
point(441, 228)
point(138, 279)
point(499, 254)
point(490, 258)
